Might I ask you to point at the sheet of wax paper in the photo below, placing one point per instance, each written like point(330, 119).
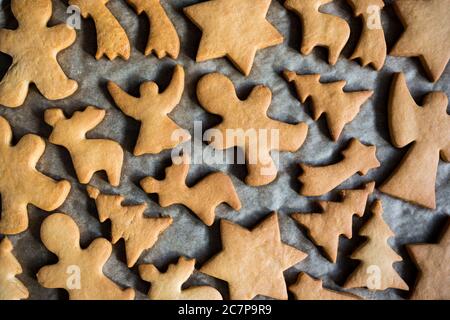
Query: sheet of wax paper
point(188, 236)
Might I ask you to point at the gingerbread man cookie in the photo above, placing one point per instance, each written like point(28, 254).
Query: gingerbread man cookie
point(10, 287)
point(78, 271)
point(22, 184)
point(88, 155)
point(34, 47)
point(158, 132)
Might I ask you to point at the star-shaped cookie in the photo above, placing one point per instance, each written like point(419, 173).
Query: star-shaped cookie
point(427, 33)
point(434, 270)
point(233, 28)
point(252, 262)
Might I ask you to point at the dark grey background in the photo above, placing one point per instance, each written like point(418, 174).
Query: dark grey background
point(188, 236)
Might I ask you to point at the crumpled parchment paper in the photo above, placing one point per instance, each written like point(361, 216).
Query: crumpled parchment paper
point(188, 236)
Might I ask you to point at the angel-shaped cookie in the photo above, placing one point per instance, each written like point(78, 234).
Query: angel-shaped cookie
point(34, 47)
point(428, 127)
point(78, 271)
point(158, 132)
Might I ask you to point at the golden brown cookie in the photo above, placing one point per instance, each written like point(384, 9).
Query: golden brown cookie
point(339, 107)
point(252, 262)
point(246, 125)
point(428, 127)
point(163, 39)
point(320, 29)
point(78, 271)
point(202, 198)
point(151, 109)
point(33, 47)
point(88, 155)
point(371, 47)
point(129, 223)
point(433, 282)
point(10, 287)
point(167, 286)
point(375, 270)
point(22, 184)
point(308, 288)
point(335, 219)
point(233, 28)
point(112, 40)
point(357, 158)
point(427, 33)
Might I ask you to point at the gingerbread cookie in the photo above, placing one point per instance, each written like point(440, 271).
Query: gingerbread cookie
point(357, 158)
point(233, 28)
point(167, 286)
point(10, 287)
point(129, 223)
point(371, 48)
point(308, 288)
point(202, 199)
point(112, 40)
point(250, 128)
point(78, 271)
point(427, 33)
point(22, 184)
point(336, 218)
point(320, 29)
point(429, 128)
point(339, 107)
point(35, 61)
point(252, 262)
point(434, 271)
point(163, 39)
point(152, 109)
point(375, 271)
point(88, 155)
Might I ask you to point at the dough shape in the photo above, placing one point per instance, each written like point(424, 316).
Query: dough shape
point(129, 223)
point(308, 288)
point(167, 286)
point(246, 119)
point(428, 127)
point(434, 271)
point(375, 270)
point(88, 155)
point(357, 158)
point(371, 48)
point(112, 40)
point(202, 199)
point(151, 109)
point(320, 29)
point(163, 39)
point(10, 287)
point(22, 184)
point(427, 33)
point(253, 261)
point(235, 29)
point(339, 107)
point(336, 218)
point(34, 61)
point(61, 236)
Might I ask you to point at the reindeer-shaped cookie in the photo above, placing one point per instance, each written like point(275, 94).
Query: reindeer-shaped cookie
point(21, 184)
point(78, 271)
point(158, 132)
point(88, 155)
point(112, 40)
point(246, 125)
point(202, 199)
point(429, 128)
point(34, 47)
point(320, 29)
point(163, 39)
point(167, 286)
